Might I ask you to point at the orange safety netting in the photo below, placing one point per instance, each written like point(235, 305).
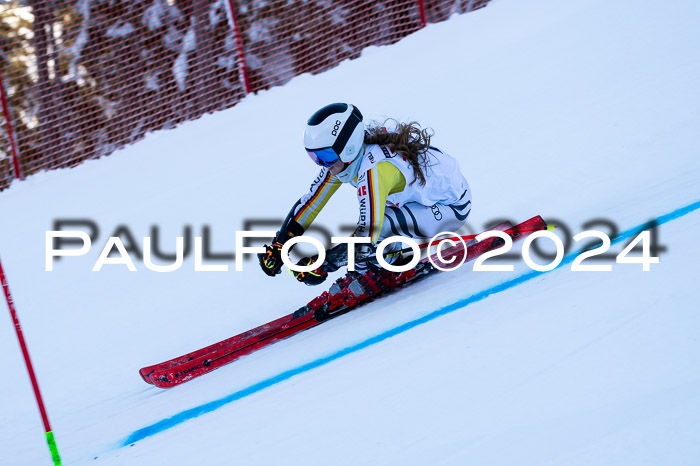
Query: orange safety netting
point(82, 78)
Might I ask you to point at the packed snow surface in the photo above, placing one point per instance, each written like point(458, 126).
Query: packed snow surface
point(577, 110)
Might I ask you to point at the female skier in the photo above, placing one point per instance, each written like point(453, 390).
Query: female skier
point(404, 186)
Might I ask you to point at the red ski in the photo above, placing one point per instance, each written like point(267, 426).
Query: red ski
point(327, 305)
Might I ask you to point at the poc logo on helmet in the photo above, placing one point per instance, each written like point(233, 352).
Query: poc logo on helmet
point(336, 127)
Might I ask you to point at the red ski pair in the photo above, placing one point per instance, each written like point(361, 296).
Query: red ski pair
point(345, 295)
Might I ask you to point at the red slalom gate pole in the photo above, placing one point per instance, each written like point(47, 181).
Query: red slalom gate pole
point(35, 385)
point(421, 8)
point(10, 133)
point(238, 39)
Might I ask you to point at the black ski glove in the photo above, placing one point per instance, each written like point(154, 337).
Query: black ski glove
point(315, 277)
point(271, 259)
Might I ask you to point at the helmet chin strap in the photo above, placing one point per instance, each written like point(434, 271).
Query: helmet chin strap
point(351, 168)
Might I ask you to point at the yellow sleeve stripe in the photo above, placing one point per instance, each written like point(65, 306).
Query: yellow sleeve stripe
point(315, 204)
point(384, 179)
point(371, 185)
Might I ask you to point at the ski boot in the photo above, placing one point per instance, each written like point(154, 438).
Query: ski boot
point(377, 280)
point(357, 287)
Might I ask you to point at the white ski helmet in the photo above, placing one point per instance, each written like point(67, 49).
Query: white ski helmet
point(334, 132)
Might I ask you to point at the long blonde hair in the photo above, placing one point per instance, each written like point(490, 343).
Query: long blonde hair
point(408, 140)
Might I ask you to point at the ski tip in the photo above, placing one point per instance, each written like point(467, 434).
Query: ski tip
point(145, 374)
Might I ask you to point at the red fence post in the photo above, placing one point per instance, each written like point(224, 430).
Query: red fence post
point(239, 47)
point(421, 7)
point(10, 134)
point(25, 352)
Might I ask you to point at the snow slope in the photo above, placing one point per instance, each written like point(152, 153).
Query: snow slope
point(574, 110)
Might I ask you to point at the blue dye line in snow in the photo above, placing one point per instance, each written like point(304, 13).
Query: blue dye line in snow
point(183, 416)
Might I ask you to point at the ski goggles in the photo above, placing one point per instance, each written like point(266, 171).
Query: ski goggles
point(323, 157)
